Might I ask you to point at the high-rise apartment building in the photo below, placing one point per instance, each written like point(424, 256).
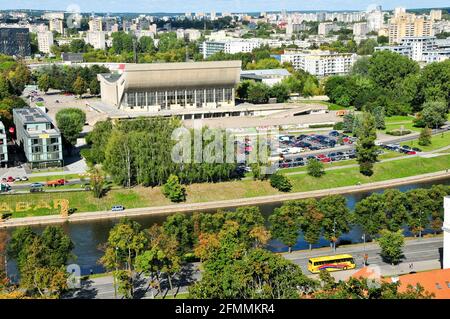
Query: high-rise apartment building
point(408, 25)
point(45, 41)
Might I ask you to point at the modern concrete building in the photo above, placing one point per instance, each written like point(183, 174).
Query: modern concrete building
point(327, 27)
point(159, 87)
point(56, 25)
point(39, 137)
point(97, 39)
point(320, 63)
point(3, 145)
point(15, 41)
point(229, 46)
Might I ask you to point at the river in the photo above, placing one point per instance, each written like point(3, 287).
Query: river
point(88, 236)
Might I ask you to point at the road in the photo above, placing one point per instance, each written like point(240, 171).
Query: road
point(416, 251)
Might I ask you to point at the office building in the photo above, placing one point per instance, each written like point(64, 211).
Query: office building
point(269, 77)
point(3, 145)
point(39, 137)
point(15, 42)
point(320, 63)
point(159, 87)
point(45, 41)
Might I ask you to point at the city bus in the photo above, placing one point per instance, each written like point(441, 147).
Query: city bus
point(331, 263)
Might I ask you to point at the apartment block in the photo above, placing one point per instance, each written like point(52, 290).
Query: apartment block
point(56, 25)
point(327, 27)
point(320, 63)
point(45, 41)
point(229, 46)
point(39, 137)
point(408, 25)
point(97, 39)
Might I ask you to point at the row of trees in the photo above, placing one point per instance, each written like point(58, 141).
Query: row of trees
point(77, 80)
point(393, 82)
point(41, 261)
point(140, 152)
point(418, 209)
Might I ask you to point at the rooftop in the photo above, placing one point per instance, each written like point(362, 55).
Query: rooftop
point(32, 115)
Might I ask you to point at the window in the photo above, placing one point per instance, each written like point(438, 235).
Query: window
point(210, 96)
point(219, 95)
point(170, 98)
point(141, 101)
point(190, 97)
point(35, 141)
point(131, 99)
point(151, 98)
point(181, 98)
point(200, 97)
point(54, 140)
point(228, 95)
point(36, 149)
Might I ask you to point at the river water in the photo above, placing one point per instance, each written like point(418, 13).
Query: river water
point(88, 236)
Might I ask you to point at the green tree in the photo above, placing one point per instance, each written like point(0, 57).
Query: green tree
point(311, 221)
point(337, 218)
point(285, 224)
point(434, 114)
point(280, 182)
point(70, 121)
point(279, 91)
point(79, 87)
point(125, 242)
point(258, 93)
point(378, 113)
point(369, 214)
point(44, 82)
point(173, 190)
point(94, 87)
point(365, 148)
point(425, 137)
point(315, 168)
point(97, 181)
point(181, 228)
point(391, 244)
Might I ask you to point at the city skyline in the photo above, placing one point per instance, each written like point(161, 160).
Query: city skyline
point(178, 6)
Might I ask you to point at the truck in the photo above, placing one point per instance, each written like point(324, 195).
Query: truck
point(56, 182)
point(4, 188)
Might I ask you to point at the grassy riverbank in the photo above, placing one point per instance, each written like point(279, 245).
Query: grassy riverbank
point(43, 204)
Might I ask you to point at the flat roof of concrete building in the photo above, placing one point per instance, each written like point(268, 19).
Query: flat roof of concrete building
point(31, 115)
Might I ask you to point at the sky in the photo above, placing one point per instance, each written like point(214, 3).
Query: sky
point(181, 6)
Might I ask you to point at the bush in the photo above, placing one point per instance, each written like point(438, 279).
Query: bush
point(173, 190)
point(398, 132)
point(339, 126)
point(315, 168)
point(425, 137)
point(280, 182)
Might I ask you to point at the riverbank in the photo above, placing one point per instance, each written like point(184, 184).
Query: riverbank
point(222, 204)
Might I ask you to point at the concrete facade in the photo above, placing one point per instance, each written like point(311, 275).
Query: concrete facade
point(171, 86)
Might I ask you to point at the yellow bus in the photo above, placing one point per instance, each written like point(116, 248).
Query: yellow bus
point(331, 263)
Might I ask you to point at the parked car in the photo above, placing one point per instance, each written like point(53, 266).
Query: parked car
point(406, 147)
point(416, 149)
point(118, 208)
point(10, 179)
point(24, 178)
point(17, 179)
point(411, 153)
point(36, 187)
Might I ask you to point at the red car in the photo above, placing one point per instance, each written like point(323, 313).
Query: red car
point(10, 179)
point(325, 160)
point(411, 153)
point(321, 156)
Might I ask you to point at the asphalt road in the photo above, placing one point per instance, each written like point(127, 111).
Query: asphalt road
point(415, 250)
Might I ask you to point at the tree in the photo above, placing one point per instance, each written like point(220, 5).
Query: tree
point(337, 218)
point(79, 87)
point(419, 204)
point(258, 93)
point(378, 114)
point(365, 148)
point(311, 221)
point(434, 114)
point(125, 242)
point(44, 82)
point(369, 214)
point(181, 228)
point(97, 181)
point(279, 91)
point(280, 182)
point(285, 224)
point(94, 87)
point(315, 168)
point(173, 190)
point(70, 121)
point(425, 137)
point(391, 244)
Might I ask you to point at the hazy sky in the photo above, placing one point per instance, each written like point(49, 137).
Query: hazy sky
point(217, 5)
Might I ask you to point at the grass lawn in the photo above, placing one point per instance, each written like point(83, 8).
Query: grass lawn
point(398, 118)
point(383, 171)
point(437, 141)
point(42, 204)
point(406, 126)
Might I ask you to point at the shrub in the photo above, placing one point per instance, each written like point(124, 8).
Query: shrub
point(315, 168)
point(280, 182)
point(339, 126)
point(173, 190)
point(398, 132)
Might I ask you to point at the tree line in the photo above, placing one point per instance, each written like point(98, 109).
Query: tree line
point(139, 151)
point(395, 83)
point(77, 80)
